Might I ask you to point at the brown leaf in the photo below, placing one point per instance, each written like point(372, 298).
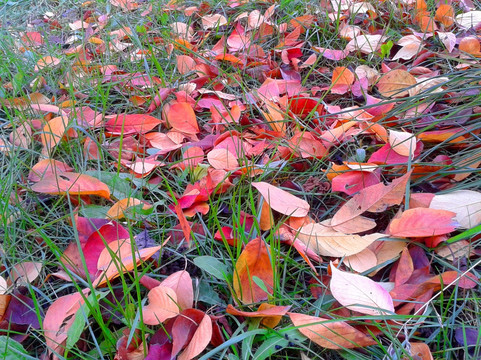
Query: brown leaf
point(396, 83)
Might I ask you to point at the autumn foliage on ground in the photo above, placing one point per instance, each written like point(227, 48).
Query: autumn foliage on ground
point(241, 180)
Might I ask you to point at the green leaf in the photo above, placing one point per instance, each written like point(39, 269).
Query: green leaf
point(81, 316)
point(386, 49)
point(208, 295)
point(258, 281)
point(213, 266)
point(277, 342)
point(94, 211)
point(465, 234)
point(12, 350)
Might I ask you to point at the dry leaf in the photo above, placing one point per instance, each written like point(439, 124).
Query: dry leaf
point(395, 83)
point(466, 204)
point(359, 293)
point(330, 334)
point(281, 201)
point(327, 242)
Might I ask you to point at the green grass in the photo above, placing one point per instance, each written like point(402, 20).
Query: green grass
point(37, 227)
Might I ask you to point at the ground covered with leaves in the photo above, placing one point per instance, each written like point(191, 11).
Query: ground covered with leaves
point(240, 179)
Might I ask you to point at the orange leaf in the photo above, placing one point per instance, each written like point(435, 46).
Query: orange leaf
point(162, 305)
point(396, 83)
point(72, 184)
point(181, 283)
point(47, 167)
point(130, 124)
point(181, 117)
point(271, 315)
point(266, 220)
point(342, 79)
point(445, 15)
point(427, 24)
point(420, 351)
point(253, 261)
point(46, 61)
point(422, 222)
point(199, 340)
point(54, 131)
point(470, 45)
point(330, 334)
point(117, 210)
point(117, 258)
point(229, 57)
point(281, 201)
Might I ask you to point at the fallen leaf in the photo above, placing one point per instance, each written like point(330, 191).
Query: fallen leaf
point(470, 19)
point(181, 117)
point(58, 320)
point(25, 273)
point(422, 222)
point(362, 261)
point(200, 339)
point(73, 184)
point(222, 159)
point(330, 334)
point(117, 258)
point(395, 83)
point(212, 21)
point(375, 198)
point(253, 261)
point(327, 242)
point(47, 167)
point(359, 293)
point(162, 305)
point(281, 201)
point(466, 204)
point(125, 124)
point(54, 131)
point(117, 210)
point(402, 142)
point(181, 283)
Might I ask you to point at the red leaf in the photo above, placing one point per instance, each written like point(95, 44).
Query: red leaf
point(181, 117)
point(423, 222)
point(125, 124)
point(353, 181)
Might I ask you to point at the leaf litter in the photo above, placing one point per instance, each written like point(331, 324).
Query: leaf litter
point(251, 94)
